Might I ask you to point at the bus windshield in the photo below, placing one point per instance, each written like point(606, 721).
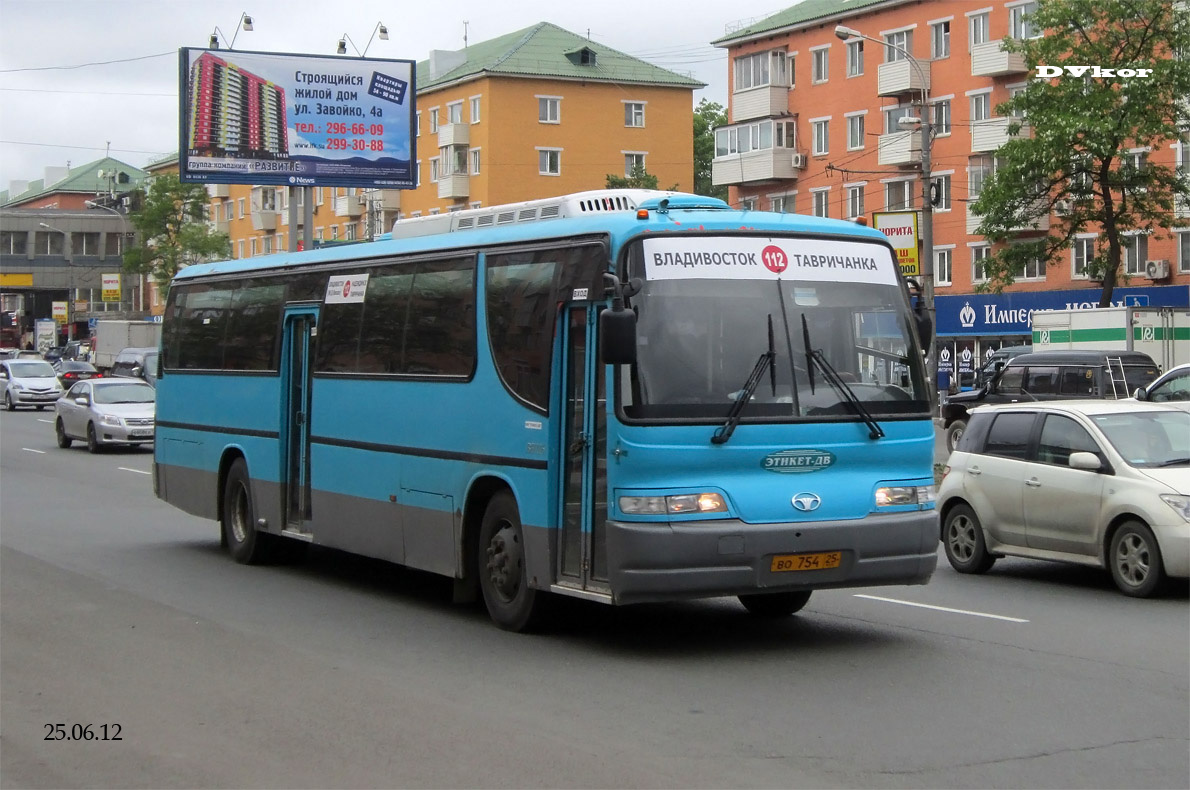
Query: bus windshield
point(699, 338)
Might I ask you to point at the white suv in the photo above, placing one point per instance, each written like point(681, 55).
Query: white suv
point(1096, 482)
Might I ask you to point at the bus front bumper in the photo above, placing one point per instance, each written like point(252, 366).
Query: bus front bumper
point(659, 561)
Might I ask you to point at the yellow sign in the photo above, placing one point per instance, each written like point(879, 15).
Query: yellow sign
point(901, 229)
point(58, 311)
point(17, 280)
point(111, 287)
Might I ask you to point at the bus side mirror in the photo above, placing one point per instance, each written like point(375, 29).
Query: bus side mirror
point(617, 336)
point(925, 329)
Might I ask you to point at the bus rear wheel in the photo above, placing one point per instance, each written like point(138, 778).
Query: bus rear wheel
point(503, 577)
point(245, 543)
point(781, 604)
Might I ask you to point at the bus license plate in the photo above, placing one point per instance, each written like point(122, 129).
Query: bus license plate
point(806, 562)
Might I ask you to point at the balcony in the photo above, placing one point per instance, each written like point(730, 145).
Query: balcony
point(219, 226)
point(348, 206)
point(218, 190)
point(455, 186)
point(989, 59)
point(385, 199)
point(988, 135)
point(454, 134)
point(899, 148)
point(301, 219)
point(902, 76)
point(264, 220)
point(973, 220)
point(764, 102)
point(765, 165)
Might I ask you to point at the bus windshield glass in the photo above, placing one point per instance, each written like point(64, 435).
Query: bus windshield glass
point(710, 307)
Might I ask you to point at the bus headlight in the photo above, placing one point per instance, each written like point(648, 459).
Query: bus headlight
point(899, 496)
point(677, 503)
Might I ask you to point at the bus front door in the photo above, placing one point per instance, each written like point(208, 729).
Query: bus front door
point(297, 352)
point(582, 558)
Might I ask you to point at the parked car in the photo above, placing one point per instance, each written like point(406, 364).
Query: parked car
point(1052, 375)
point(106, 411)
point(29, 382)
point(52, 355)
point(139, 363)
point(77, 349)
point(1171, 388)
point(1104, 483)
point(71, 371)
point(996, 361)
point(19, 353)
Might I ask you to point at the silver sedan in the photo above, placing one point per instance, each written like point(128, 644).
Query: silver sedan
point(106, 411)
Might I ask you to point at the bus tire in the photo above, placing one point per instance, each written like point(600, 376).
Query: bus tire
point(246, 544)
point(780, 604)
point(503, 577)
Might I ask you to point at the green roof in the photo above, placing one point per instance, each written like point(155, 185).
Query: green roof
point(546, 50)
point(84, 179)
point(802, 13)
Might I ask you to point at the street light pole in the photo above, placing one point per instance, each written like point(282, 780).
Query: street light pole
point(70, 279)
point(927, 207)
point(124, 240)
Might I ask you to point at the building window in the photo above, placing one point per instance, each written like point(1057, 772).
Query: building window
point(455, 160)
point(747, 204)
point(821, 136)
point(755, 136)
point(417, 174)
point(454, 112)
point(634, 114)
point(899, 44)
point(417, 124)
point(979, 29)
point(783, 204)
point(761, 68)
point(549, 162)
point(1184, 251)
point(981, 107)
point(855, 201)
point(252, 246)
point(943, 264)
point(941, 193)
point(334, 232)
point(1136, 250)
point(633, 161)
point(1032, 269)
point(855, 58)
point(435, 169)
point(1020, 23)
point(1082, 253)
point(820, 65)
point(898, 195)
point(893, 116)
point(855, 132)
point(979, 257)
point(821, 202)
point(549, 109)
point(940, 40)
point(434, 120)
point(240, 206)
point(475, 109)
point(940, 117)
point(240, 249)
point(475, 159)
point(979, 169)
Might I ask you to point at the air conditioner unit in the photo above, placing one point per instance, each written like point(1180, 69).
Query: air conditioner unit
point(799, 161)
point(1062, 207)
point(1157, 270)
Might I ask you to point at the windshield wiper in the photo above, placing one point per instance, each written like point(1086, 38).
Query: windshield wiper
point(832, 376)
point(724, 432)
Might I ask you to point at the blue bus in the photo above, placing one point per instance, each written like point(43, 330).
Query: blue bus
point(623, 396)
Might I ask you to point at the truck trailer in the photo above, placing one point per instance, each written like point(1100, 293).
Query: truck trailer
point(112, 337)
point(1161, 332)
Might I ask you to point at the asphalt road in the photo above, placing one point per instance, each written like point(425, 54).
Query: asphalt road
point(117, 610)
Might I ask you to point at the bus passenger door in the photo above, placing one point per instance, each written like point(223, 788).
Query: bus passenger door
point(297, 352)
point(583, 548)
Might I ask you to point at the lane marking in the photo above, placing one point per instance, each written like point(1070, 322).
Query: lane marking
point(944, 609)
point(31, 450)
point(138, 471)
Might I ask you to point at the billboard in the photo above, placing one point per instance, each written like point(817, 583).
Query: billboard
point(266, 118)
point(901, 229)
point(111, 287)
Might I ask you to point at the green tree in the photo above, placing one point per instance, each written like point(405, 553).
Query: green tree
point(707, 116)
point(640, 179)
point(171, 230)
point(1077, 157)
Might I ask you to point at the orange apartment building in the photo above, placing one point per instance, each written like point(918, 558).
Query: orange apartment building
point(813, 128)
point(535, 113)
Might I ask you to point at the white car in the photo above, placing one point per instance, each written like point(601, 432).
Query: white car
point(29, 382)
point(104, 412)
point(1104, 483)
point(1171, 388)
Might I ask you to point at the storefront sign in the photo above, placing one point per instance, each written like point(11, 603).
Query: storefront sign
point(901, 229)
point(1010, 313)
point(111, 287)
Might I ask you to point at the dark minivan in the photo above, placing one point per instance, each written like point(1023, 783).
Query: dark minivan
point(136, 363)
point(1052, 375)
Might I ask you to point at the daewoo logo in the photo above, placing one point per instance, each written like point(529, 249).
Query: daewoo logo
point(787, 461)
point(1094, 72)
point(806, 501)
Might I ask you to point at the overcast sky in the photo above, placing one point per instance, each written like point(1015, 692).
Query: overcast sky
point(52, 114)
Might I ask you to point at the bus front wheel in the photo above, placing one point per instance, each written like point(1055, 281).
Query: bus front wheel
point(780, 604)
point(246, 545)
point(503, 578)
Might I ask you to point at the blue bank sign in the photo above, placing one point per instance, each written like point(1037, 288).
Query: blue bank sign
point(1010, 313)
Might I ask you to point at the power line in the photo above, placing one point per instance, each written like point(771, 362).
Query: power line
point(85, 65)
point(83, 147)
